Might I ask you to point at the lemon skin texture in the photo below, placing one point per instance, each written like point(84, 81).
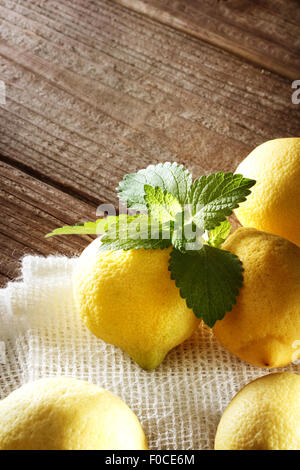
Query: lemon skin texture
point(67, 414)
point(264, 324)
point(127, 299)
point(274, 202)
point(264, 415)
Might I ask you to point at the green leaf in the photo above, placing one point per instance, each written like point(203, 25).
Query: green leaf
point(170, 177)
point(208, 279)
point(135, 232)
point(161, 205)
point(83, 228)
point(131, 244)
point(186, 234)
point(214, 197)
point(218, 235)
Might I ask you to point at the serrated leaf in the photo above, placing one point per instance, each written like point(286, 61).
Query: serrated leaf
point(214, 197)
point(161, 205)
point(170, 177)
point(186, 235)
point(209, 280)
point(135, 232)
point(83, 228)
point(131, 244)
point(218, 235)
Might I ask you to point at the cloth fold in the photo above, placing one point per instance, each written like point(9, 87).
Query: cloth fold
point(41, 335)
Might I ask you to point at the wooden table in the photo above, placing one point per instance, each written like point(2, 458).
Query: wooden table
point(97, 88)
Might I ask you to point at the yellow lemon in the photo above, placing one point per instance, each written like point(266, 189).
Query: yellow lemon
point(67, 414)
point(127, 298)
point(263, 327)
point(274, 202)
point(264, 415)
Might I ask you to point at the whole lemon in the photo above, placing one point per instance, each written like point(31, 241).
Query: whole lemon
point(274, 202)
point(264, 415)
point(263, 327)
point(127, 298)
point(67, 414)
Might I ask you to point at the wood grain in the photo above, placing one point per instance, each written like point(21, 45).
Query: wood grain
point(96, 90)
point(266, 32)
point(29, 209)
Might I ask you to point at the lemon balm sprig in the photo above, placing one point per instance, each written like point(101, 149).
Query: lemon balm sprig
point(177, 211)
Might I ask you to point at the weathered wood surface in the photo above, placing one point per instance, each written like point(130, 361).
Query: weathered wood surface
point(96, 90)
point(266, 32)
point(30, 208)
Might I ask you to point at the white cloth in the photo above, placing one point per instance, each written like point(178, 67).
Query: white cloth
point(179, 404)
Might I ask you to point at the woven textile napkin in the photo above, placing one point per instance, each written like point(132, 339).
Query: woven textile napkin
point(179, 404)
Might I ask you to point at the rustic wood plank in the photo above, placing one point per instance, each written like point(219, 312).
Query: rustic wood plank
point(29, 209)
point(94, 91)
point(3, 279)
point(266, 32)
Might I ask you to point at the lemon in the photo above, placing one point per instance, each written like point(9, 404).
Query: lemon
point(264, 415)
point(127, 298)
point(67, 414)
point(263, 327)
point(274, 202)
